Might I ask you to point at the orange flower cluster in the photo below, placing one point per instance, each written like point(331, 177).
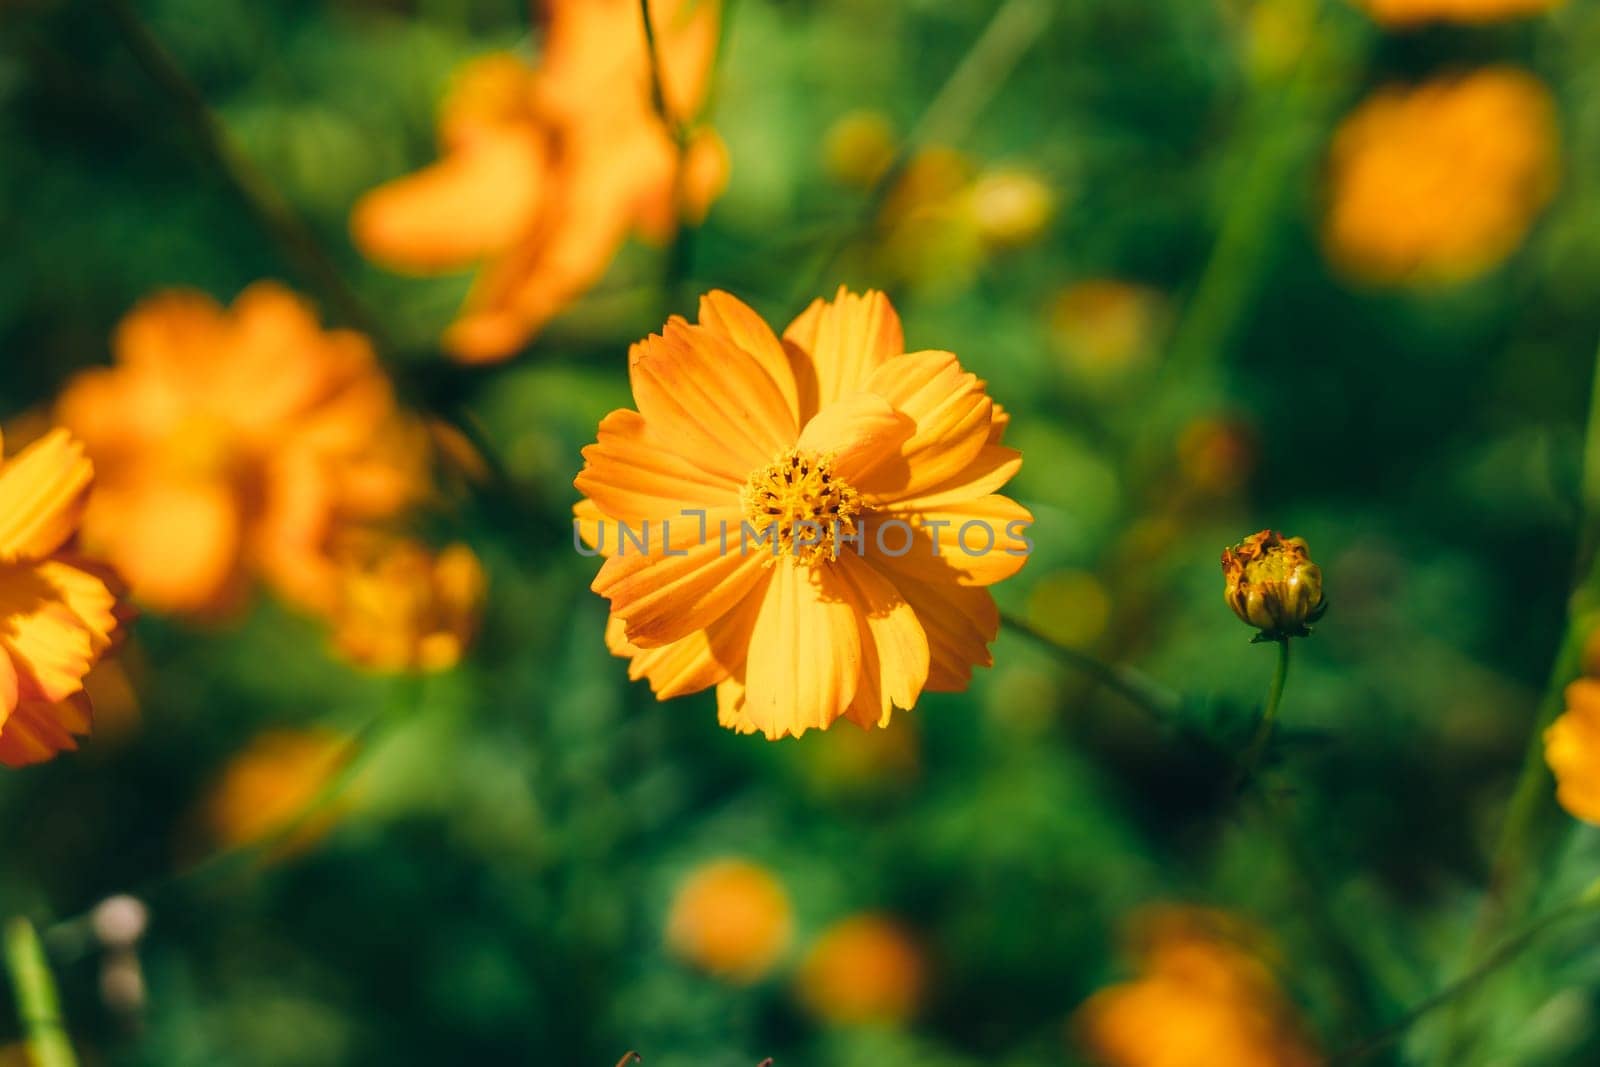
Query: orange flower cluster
point(244, 443)
point(231, 444)
point(397, 606)
point(1203, 997)
point(1414, 12)
point(546, 169)
point(870, 476)
point(59, 613)
point(1439, 183)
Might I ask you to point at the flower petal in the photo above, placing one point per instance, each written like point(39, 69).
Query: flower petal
point(805, 653)
point(952, 415)
point(690, 664)
point(38, 729)
point(473, 203)
point(861, 431)
point(631, 476)
point(994, 466)
point(667, 596)
point(177, 544)
point(50, 646)
point(694, 387)
point(959, 620)
point(727, 315)
point(42, 493)
point(895, 653)
point(731, 707)
point(980, 542)
point(835, 346)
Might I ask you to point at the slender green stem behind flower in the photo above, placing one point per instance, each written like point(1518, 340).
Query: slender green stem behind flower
point(38, 1006)
point(1269, 715)
point(1161, 703)
point(1527, 823)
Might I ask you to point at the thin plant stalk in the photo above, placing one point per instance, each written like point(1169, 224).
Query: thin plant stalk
point(271, 210)
point(1524, 831)
point(1269, 714)
point(38, 1005)
point(1502, 956)
point(1144, 692)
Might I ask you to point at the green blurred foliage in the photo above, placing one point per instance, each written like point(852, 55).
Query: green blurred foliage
point(498, 894)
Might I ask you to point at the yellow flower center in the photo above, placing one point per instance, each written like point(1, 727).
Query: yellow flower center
point(807, 509)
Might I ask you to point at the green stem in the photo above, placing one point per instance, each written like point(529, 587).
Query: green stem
point(1503, 955)
point(271, 210)
point(1526, 826)
point(951, 113)
point(38, 1006)
point(1133, 686)
point(1269, 715)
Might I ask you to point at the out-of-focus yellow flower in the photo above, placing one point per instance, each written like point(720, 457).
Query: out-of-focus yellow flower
point(1572, 749)
point(730, 918)
point(1104, 326)
point(859, 148)
point(1412, 12)
point(399, 606)
point(233, 442)
point(1438, 183)
point(1216, 455)
point(1272, 584)
point(941, 216)
point(865, 969)
point(1010, 206)
point(273, 791)
point(870, 475)
point(1203, 997)
point(547, 169)
point(59, 613)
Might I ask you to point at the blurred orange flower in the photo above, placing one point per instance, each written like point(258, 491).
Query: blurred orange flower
point(1438, 183)
point(546, 169)
point(865, 969)
point(399, 607)
point(868, 475)
point(273, 791)
point(58, 612)
point(1412, 12)
point(231, 442)
point(1572, 749)
point(1204, 996)
point(730, 918)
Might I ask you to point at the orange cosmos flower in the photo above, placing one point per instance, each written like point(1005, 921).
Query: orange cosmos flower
point(1572, 750)
point(1203, 997)
point(1413, 12)
point(274, 789)
point(865, 969)
point(1439, 183)
point(398, 607)
point(231, 442)
point(60, 613)
point(870, 472)
point(730, 918)
point(546, 169)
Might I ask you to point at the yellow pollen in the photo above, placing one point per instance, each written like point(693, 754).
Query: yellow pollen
point(808, 509)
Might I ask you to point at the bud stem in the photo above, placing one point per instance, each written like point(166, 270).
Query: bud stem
point(1269, 715)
